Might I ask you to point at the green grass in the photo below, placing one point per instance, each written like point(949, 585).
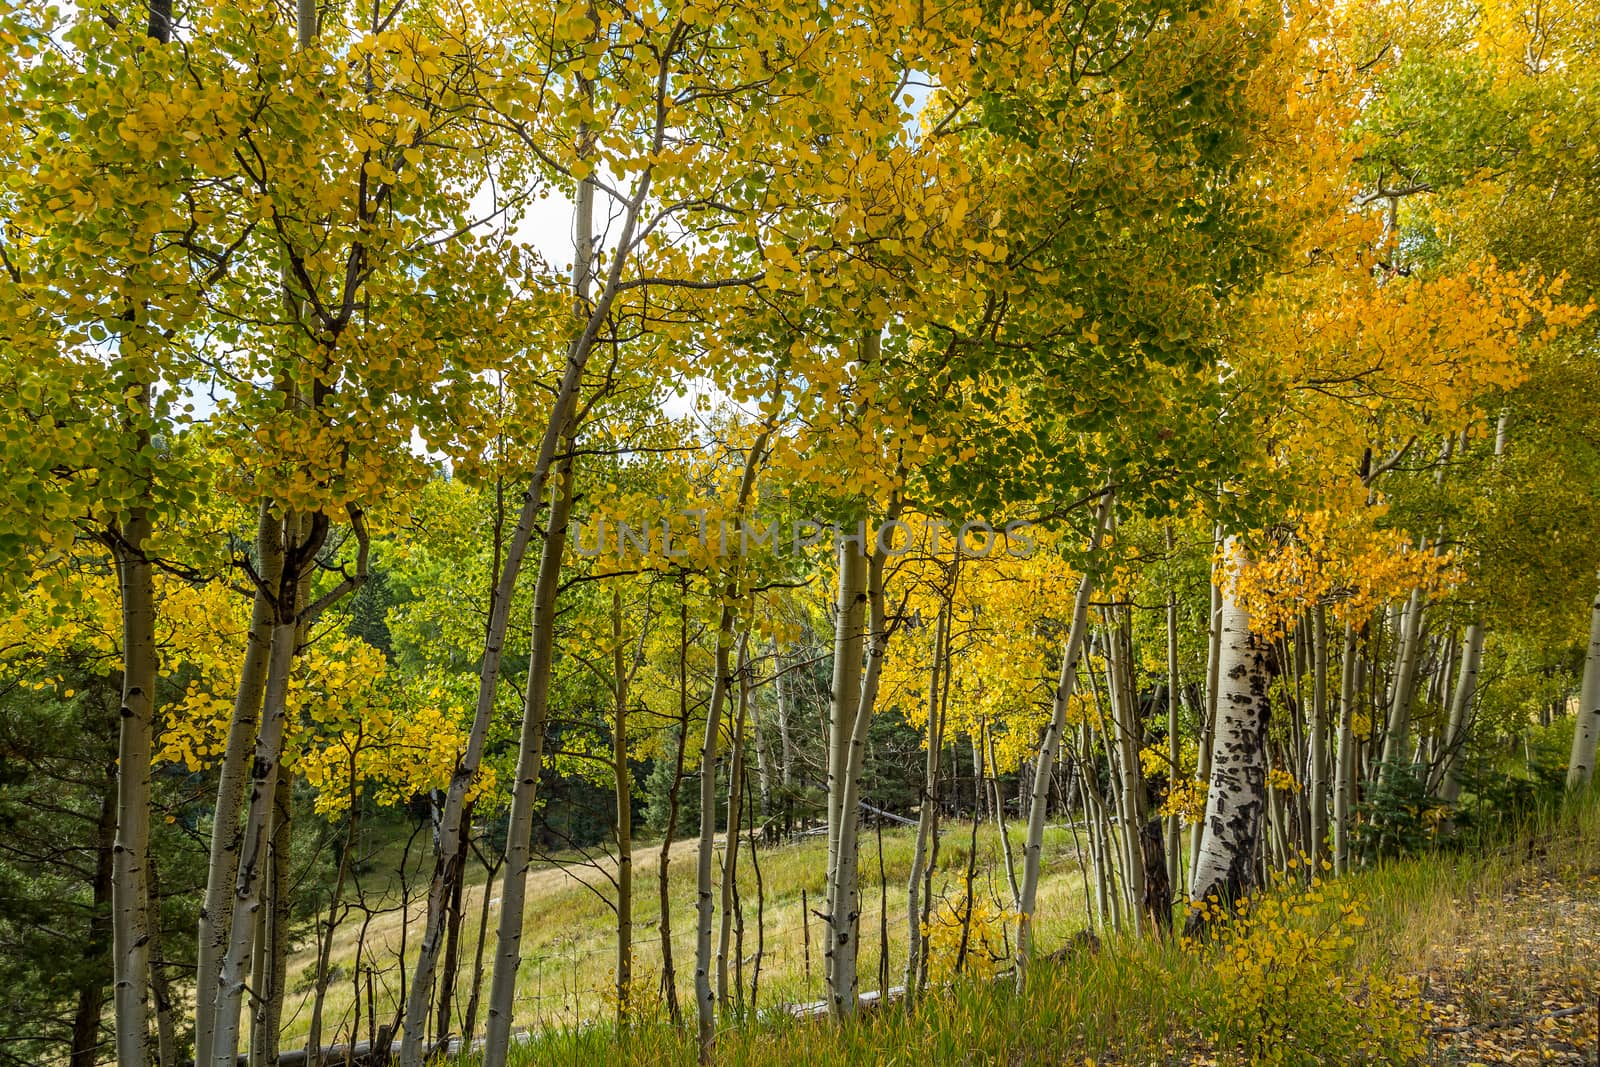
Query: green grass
point(567, 974)
point(1301, 985)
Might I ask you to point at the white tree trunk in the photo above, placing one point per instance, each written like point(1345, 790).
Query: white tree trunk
point(130, 856)
point(844, 907)
point(223, 864)
point(1460, 713)
point(705, 996)
point(730, 849)
point(234, 969)
point(1130, 776)
point(466, 770)
point(1236, 797)
point(1344, 764)
point(1318, 759)
point(524, 795)
point(705, 907)
point(1586, 731)
point(1050, 746)
point(623, 779)
point(1397, 739)
point(933, 737)
point(849, 642)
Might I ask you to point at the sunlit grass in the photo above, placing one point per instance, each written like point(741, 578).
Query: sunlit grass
point(569, 956)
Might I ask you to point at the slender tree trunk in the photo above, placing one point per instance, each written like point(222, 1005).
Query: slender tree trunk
point(926, 807)
point(1318, 795)
point(1050, 746)
point(1130, 803)
point(785, 739)
point(844, 905)
point(469, 1025)
point(763, 765)
point(761, 923)
point(1237, 795)
point(451, 966)
point(1586, 731)
point(705, 999)
point(623, 779)
point(1397, 738)
point(849, 641)
point(1174, 835)
point(130, 895)
point(524, 793)
point(319, 994)
point(273, 950)
point(1344, 767)
point(1466, 689)
point(999, 803)
point(730, 851)
point(247, 894)
point(587, 322)
point(130, 850)
point(226, 833)
point(669, 979)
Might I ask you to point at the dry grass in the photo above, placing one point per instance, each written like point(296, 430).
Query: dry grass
point(569, 933)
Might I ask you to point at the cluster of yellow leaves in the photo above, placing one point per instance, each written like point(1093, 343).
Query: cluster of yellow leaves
point(350, 724)
point(1343, 558)
point(1291, 994)
point(972, 931)
point(1282, 780)
point(1186, 798)
point(1008, 621)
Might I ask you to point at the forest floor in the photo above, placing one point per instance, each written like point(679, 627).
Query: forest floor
point(1480, 957)
point(1518, 980)
point(569, 929)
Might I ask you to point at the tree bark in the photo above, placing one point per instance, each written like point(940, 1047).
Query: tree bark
point(587, 322)
point(1397, 738)
point(1461, 698)
point(705, 999)
point(130, 895)
point(849, 642)
point(1586, 731)
point(928, 801)
point(1318, 778)
point(319, 994)
point(1344, 767)
point(1050, 746)
point(524, 793)
point(623, 782)
point(1130, 799)
point(785, 739)
point(1237, 795)
point(226, 834)
point(669, 978)
point(843, 900)
point(234, 968)
point(730, 851)
point(999, 803)
point(273, 951)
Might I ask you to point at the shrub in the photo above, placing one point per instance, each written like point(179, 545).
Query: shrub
point(1287, 991)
